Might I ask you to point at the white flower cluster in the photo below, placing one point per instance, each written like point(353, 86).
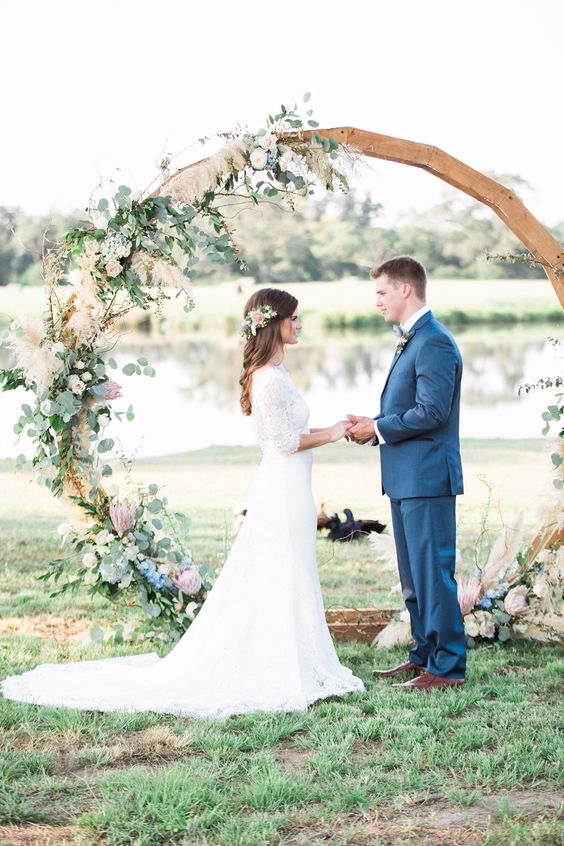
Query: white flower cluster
point(115, 246)
point(264, 151)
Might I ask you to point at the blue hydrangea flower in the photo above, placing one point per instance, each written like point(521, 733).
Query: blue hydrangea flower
point(150, 572)
point(485, 601)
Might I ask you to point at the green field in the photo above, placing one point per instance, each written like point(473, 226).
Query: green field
point(479, 765)
point(348, 303)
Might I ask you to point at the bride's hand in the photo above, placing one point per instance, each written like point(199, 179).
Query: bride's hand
point(339, 430)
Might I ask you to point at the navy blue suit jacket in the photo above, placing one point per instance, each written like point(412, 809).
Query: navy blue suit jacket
point(419, 416)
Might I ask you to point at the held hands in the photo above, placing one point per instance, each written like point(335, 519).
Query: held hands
point(339, 430)
point(361, 429)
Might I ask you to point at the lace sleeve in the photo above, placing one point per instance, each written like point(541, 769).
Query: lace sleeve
point(273, 402)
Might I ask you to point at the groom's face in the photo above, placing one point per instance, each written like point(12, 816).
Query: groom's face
point(390, 298)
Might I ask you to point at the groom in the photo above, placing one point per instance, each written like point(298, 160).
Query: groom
point(417, 431)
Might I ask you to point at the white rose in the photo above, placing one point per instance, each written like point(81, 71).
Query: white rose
point(58, 347)
point(258, 158)
point(89, 559)
point(268, 141)
point(86, 376)
point(487, 629)
point(75, 276)
point(285, 161)
point(91, 247)
point(123, 250)
point(471, 625)
point(540, 589)
point(113, 268)
point(63, 529)
point(80, 365)
point(76, 385)
point(103, 537)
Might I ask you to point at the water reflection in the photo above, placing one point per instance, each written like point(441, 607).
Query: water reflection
point(193, 402)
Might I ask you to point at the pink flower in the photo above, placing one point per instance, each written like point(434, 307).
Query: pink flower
point(487, 629)
point(516, 602)
point(111, 390)
point(257, 317)
point(188, 581)
point(468, 594)
point(122, 515)
point(268, 141)
point(113, 268)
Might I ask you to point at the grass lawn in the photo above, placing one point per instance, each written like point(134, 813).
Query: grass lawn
point(477, 765)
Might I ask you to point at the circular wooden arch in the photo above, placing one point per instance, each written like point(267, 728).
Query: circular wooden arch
point(500, 199)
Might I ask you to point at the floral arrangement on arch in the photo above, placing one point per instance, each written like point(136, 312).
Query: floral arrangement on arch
point(136, 252)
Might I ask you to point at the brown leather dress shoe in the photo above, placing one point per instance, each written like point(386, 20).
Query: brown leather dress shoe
point(429, 681)
point(406, 669)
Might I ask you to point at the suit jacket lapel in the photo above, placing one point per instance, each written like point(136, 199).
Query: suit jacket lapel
point(422, 320)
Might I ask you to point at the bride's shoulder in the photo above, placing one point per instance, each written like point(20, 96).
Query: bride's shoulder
point(267, 372)
point(266, 376)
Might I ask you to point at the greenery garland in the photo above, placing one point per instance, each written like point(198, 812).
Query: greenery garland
point(129, 254)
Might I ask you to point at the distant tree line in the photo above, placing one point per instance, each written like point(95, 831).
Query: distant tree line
point(324, 238)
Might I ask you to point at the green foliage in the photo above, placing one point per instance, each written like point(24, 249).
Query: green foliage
point(554, 414)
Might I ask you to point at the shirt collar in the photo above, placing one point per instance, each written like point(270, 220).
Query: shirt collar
point(411, 321)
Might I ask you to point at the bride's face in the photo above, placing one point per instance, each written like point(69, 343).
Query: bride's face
point(289, 329)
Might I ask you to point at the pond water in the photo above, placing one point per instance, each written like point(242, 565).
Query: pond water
point(193, 401)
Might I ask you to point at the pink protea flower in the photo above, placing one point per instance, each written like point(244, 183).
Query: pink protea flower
point(188, 581)
point(257, 317)
point(516, 601)
point(111, 390)
point(122, 515)
point(469, 591)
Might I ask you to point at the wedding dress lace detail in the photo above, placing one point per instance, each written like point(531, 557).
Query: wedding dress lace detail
point(279, 412)
point(260, 642)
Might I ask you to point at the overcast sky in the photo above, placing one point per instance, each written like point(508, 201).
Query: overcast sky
point(90, 88)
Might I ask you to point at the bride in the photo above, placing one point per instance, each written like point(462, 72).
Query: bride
point(260, 642)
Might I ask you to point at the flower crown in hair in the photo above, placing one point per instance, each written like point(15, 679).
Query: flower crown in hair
point(257, 318)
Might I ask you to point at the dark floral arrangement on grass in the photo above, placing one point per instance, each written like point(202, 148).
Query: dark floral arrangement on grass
point(136, 252)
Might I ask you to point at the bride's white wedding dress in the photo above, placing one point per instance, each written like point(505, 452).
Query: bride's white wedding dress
point(260, 642)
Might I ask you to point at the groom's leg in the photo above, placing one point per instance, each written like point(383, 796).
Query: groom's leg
point(420, 651)
point(430, 529)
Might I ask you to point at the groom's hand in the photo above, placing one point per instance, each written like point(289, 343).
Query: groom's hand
point(362, 429)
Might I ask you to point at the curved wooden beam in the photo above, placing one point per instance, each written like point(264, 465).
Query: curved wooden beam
point(500, 199)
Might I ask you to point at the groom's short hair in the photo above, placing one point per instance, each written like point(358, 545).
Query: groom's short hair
point(403, 269)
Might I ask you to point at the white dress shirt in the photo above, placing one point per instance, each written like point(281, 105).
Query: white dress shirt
point(405, 327)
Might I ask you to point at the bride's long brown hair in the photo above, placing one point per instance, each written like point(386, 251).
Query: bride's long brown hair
point(260, 348)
